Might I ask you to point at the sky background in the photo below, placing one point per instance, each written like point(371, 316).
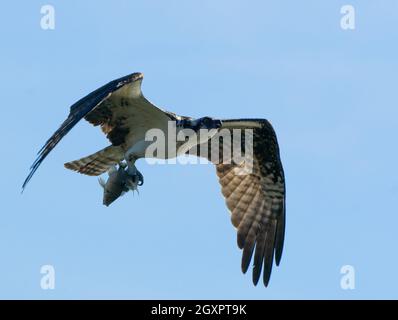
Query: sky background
point(331, 95)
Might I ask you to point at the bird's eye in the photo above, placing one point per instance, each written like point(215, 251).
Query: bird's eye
point(207, 121)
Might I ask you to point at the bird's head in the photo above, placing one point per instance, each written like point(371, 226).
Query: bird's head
point(200, 123)
point(203, 128)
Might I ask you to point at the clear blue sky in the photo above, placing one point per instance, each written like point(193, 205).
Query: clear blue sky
point(330, 94)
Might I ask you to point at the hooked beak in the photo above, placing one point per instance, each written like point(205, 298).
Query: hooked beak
point(217, 124)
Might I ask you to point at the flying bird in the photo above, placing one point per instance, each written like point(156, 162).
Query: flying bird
point(256, 200)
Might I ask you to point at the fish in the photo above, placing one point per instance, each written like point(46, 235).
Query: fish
point(116, 185)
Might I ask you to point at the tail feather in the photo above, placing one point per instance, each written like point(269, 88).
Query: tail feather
point(97, 163)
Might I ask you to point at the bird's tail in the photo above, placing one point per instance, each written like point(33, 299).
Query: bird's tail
point(97, 163)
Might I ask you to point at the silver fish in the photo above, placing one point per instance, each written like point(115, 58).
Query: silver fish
point(116, 185)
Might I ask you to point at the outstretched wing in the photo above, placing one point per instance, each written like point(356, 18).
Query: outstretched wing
point(119, 107)
point(256, 199)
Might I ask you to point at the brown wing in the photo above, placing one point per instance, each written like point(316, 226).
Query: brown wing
point(119, 107)
point(256, 200)
point(77, 111)
point(126, 116)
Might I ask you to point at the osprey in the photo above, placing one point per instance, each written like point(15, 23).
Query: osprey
point(255, 200)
